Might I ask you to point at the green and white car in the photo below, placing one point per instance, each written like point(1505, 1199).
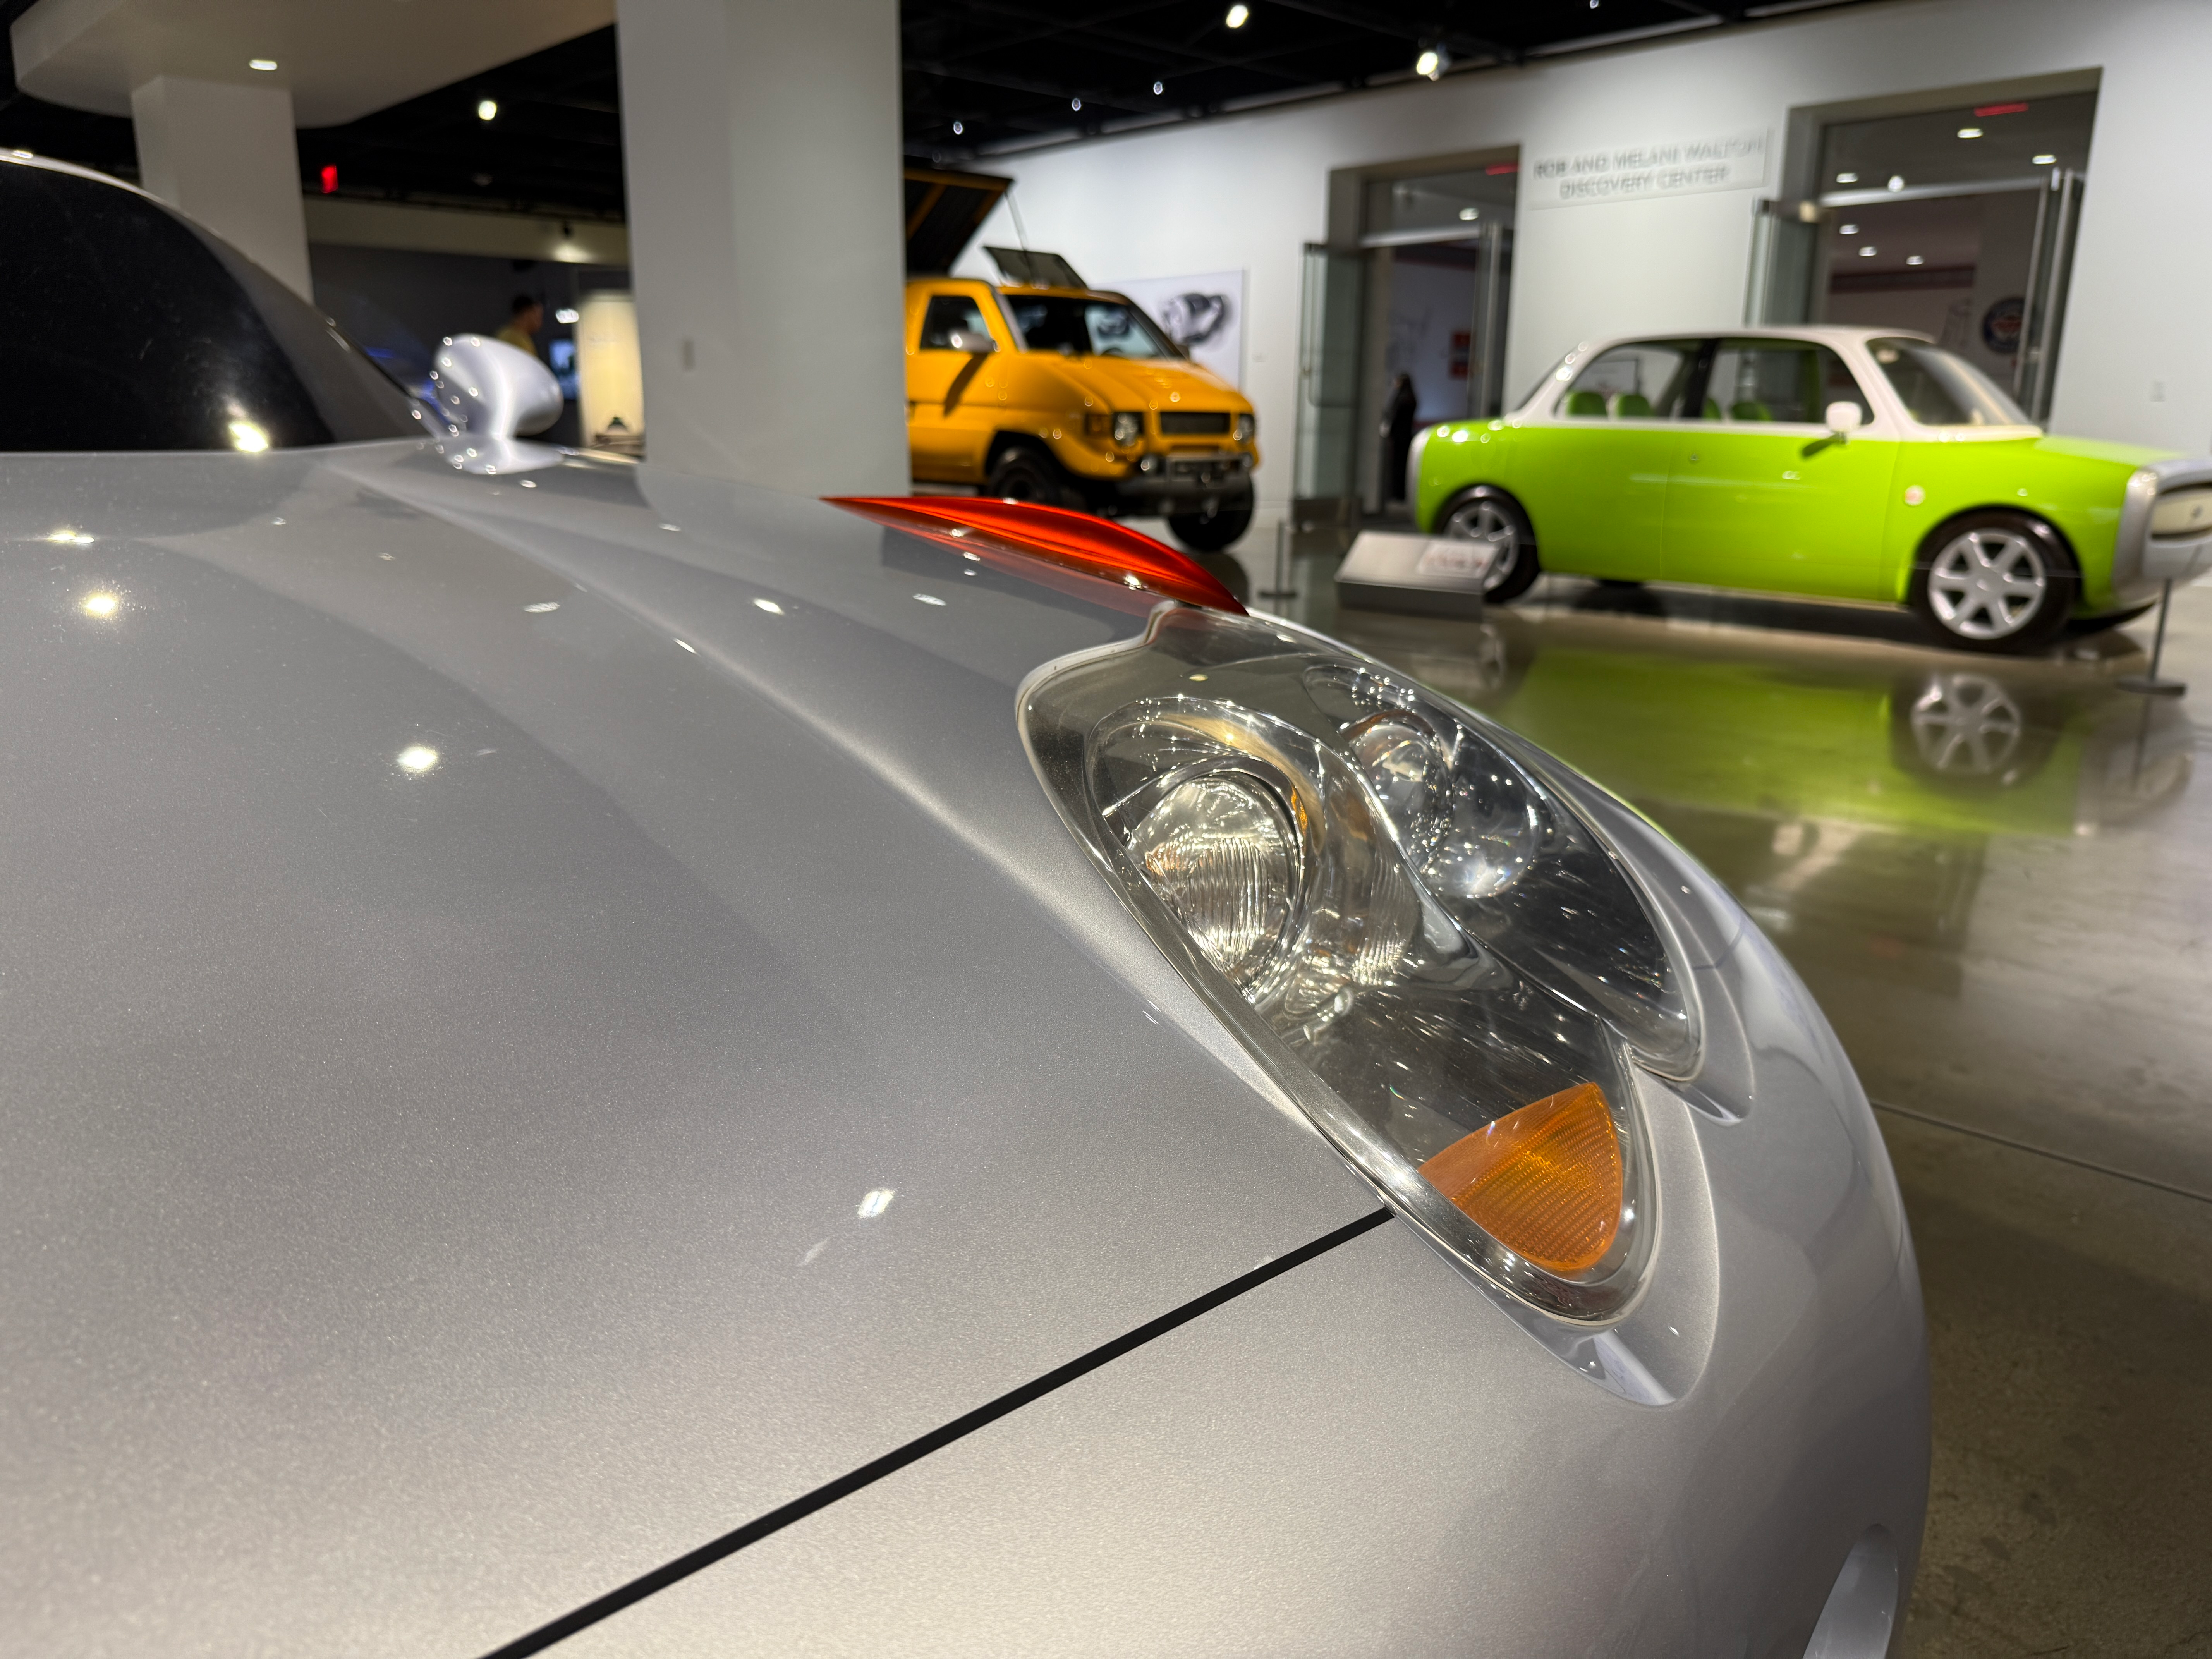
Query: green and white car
point(1854, 463)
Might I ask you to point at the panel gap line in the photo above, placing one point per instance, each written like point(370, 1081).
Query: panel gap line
point(959, 1428)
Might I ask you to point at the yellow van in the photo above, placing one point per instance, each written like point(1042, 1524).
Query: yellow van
point(1044, 390)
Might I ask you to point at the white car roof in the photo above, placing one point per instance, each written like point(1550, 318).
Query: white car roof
point(1825, 333)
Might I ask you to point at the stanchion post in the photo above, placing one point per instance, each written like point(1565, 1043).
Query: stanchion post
point(2150, 685)
point(1282, 589)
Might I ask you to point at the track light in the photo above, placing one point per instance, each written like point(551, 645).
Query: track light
point(1239, 15)
point(487, 109)
point(1433, 63)
point(959, 127)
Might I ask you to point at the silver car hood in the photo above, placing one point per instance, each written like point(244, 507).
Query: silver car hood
point(436, 1197)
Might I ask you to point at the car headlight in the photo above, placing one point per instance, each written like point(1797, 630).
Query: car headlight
point(1447, 966)
point(1246, 425)
point(1128, 427)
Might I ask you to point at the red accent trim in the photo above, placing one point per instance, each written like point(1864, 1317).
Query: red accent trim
point(2001, 109)
point(1501, 169)
point(1076, 540)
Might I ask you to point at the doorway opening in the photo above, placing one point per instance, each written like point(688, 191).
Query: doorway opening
point(1957, 222)
point(1403, 325)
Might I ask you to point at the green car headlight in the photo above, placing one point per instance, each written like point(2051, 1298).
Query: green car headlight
point(1448, 969)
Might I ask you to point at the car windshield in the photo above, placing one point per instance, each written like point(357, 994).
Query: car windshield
point(123, 326)
point(1939, 389)
point(1085, 328)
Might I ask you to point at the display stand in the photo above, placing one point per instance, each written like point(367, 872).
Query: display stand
point(2150, 685)
point(1423, 575)
point(1282, 589)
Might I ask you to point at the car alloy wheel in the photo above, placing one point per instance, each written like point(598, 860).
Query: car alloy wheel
point(1966, 725)
point(1482, 520)
point(1988, 583)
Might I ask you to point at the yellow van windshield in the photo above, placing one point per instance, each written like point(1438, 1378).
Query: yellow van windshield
point(1085, 328)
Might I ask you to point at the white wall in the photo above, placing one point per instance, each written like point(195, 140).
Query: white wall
point(1249, 191)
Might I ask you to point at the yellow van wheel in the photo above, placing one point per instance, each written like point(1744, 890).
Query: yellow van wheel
point(1214, 532)
point(1022, 473)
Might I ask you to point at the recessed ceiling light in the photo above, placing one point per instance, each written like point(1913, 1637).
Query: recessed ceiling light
point(1896, 181)
point(958, 127)
point(1470, 213)
point(1075, 103)
point(487, 109)
point(2046, 161)
point(1158, 87)
point(1847, 230)
point(1847, 178)
point(1970, 132)
point(1914, 259)
point(566, 315)
point(1238, 16)
point(263, 63)
point(1868, 251)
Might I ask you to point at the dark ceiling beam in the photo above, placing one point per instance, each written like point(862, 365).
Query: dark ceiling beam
point(1395, 28)
point(1143, 54)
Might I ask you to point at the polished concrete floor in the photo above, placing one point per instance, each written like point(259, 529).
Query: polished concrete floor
point(1997, 876)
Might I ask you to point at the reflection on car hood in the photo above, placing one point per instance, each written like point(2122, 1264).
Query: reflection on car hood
point(540, 1024)
point(2093, 449)
point(1153, 384)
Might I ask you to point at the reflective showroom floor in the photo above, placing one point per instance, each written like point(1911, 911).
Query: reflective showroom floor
point(1997, 876)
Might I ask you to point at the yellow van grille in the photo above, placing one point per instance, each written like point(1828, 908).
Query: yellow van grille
point(1193, 426)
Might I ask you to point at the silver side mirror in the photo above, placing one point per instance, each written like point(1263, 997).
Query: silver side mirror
point(969, 340)
point(488, 389)
point(1844, 418)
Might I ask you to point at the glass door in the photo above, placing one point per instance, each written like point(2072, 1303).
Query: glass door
point(1326, 467)
point(1403, 329)
point(1957, 223)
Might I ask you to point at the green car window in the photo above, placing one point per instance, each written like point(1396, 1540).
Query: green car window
point(1645, 380)
point(1939, 389)
point(1791, 381)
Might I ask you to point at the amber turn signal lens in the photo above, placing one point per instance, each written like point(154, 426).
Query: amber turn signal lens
point(1544, 1182)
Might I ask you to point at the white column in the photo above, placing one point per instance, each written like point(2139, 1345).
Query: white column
point(226, 155)
point(761, 141)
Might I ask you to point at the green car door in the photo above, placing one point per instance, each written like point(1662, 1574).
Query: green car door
point(1595, 485)
point(1762, 494)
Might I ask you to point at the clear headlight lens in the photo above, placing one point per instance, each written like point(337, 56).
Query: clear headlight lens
point(1448, 968)
point(1246, 425)
point(1128, 427)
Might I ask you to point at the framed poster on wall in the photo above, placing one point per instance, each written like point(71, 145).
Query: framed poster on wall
point(1204, 314)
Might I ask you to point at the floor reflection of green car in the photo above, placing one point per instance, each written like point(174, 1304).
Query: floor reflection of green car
point(1835, 463)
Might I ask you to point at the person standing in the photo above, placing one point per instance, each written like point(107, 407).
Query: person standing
point(526, 316)
point(1399, 415)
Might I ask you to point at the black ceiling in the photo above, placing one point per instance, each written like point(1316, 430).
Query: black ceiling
point(1010, 73)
